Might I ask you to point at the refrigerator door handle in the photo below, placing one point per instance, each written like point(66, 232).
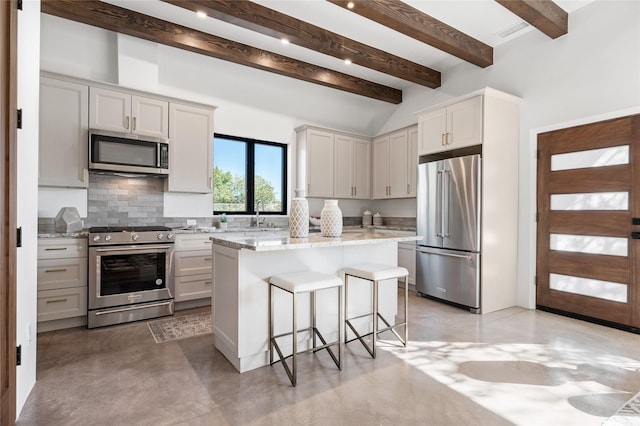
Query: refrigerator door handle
point(460, 256)
point(438, 215)
point(446, 196)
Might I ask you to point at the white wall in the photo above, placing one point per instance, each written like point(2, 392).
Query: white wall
point(28, 100)
point(591, 73)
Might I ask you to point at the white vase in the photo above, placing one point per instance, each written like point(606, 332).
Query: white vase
point(299, 216)
point(331, 219)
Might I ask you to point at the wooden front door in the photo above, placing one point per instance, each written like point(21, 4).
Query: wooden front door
point(588, 243)
point(8, 117)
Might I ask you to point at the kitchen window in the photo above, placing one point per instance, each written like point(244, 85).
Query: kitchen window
point(249, 175)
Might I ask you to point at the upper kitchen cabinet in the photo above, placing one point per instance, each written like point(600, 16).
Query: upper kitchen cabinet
point(191, 149)
point(352, 158)
point(395, 164)
point(333, 164)
point(455, 126)
point(126, 113)
point(320, 163)
point(64, 134)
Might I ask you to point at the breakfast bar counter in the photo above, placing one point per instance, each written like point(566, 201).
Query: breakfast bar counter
point(244, 262)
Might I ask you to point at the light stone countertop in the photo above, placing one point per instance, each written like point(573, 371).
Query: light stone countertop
point(282, 241)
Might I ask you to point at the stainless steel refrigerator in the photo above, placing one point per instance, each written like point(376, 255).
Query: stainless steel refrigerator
point(448, 216)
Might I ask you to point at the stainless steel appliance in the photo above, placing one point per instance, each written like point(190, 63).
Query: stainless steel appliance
point(122, 153)
point(448, 216)
point(130, 274)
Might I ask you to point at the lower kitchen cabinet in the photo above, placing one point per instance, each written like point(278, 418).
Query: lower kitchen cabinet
point(62, 283)
point(407, 259)
point(193, 267)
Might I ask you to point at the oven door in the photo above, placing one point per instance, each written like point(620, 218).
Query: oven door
point(125, 275)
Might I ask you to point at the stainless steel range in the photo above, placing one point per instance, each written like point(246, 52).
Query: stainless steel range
point(130, 274)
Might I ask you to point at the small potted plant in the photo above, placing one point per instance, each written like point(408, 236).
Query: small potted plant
point(223, 221)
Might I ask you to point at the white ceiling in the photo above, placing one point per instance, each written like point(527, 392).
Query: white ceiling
point(481, 19)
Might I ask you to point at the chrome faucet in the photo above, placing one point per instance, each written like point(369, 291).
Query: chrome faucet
point(258, 202)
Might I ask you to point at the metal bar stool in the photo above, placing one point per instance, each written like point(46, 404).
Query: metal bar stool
point(296, 283)
point(376, 273)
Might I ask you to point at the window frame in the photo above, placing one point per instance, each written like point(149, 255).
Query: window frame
point(250, 175)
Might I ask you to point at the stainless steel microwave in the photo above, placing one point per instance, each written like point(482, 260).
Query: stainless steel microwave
point(128, 153)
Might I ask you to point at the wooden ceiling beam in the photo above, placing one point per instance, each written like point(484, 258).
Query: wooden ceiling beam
point(545, 15)
point(124, 21)
point(256, 17)
point(416, 24)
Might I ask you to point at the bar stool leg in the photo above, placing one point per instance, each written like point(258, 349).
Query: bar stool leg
point(313, 316)
point(375, 317)
point(406, 310)
point(271, 325)
point(346, 304)
point(295, 341)
point(340, 329)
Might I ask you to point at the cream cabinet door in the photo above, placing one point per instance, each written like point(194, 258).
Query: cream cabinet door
point(64, 134)
point(361, 169)
point(109, 110)
point(412, 162)
point(464, 123)
point(150, 117)
point(191, 149)
point(433, 129)
point(381, 167)
point(343, 186)
point(398, 152)
point(320, 166)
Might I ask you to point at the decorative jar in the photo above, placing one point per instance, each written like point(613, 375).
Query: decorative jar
point(331, 219)
point(299, 216)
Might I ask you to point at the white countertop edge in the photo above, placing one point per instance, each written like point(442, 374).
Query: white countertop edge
point(314, 241)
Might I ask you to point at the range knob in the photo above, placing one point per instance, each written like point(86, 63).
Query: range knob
point(134, 237)
point(107, 238)
point(96, 238)
point(160, 236)
point(169, 236)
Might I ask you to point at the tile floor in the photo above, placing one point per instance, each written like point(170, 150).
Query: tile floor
point(515, 366)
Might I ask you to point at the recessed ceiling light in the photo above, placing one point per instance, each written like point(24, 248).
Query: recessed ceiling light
point(347, 61)
point(513, 29)
point(284, 40)
point(201, 14)
point(350, 5)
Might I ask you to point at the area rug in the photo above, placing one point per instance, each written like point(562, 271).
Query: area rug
point(180, 327)
point(628, 415)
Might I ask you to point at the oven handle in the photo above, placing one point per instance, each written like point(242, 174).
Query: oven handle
point(132, 308)
point(132, 248)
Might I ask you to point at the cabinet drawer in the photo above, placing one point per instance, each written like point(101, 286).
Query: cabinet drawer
point(193, 287)
point(193, 262)
point(57, 248)
point(187, 242)
point(64, 303)
point(62, 273)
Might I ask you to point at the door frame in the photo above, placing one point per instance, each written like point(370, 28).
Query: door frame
point(8, 181)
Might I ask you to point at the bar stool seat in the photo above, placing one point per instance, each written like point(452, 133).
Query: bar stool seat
point(375, 273)
point(296, 283)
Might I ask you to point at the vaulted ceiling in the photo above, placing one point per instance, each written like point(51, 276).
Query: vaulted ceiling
point(373, 48)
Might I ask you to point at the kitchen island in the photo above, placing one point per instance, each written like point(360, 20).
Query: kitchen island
point(243, 264)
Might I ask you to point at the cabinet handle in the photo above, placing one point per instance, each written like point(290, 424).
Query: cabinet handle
point(308, 188)
point(447, 139)
point(57, 300)
point(207, 258)
point(442, 139)
point(126, 123)
point(211, 182)
point(56, 270)
point(85, 174)
point(134, 123)
point(208, 282)
point(408, 189)
point(208, 242)
point(55, 248)
point(355, 191)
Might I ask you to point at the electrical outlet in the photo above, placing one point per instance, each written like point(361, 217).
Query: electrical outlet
point(191, 222)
